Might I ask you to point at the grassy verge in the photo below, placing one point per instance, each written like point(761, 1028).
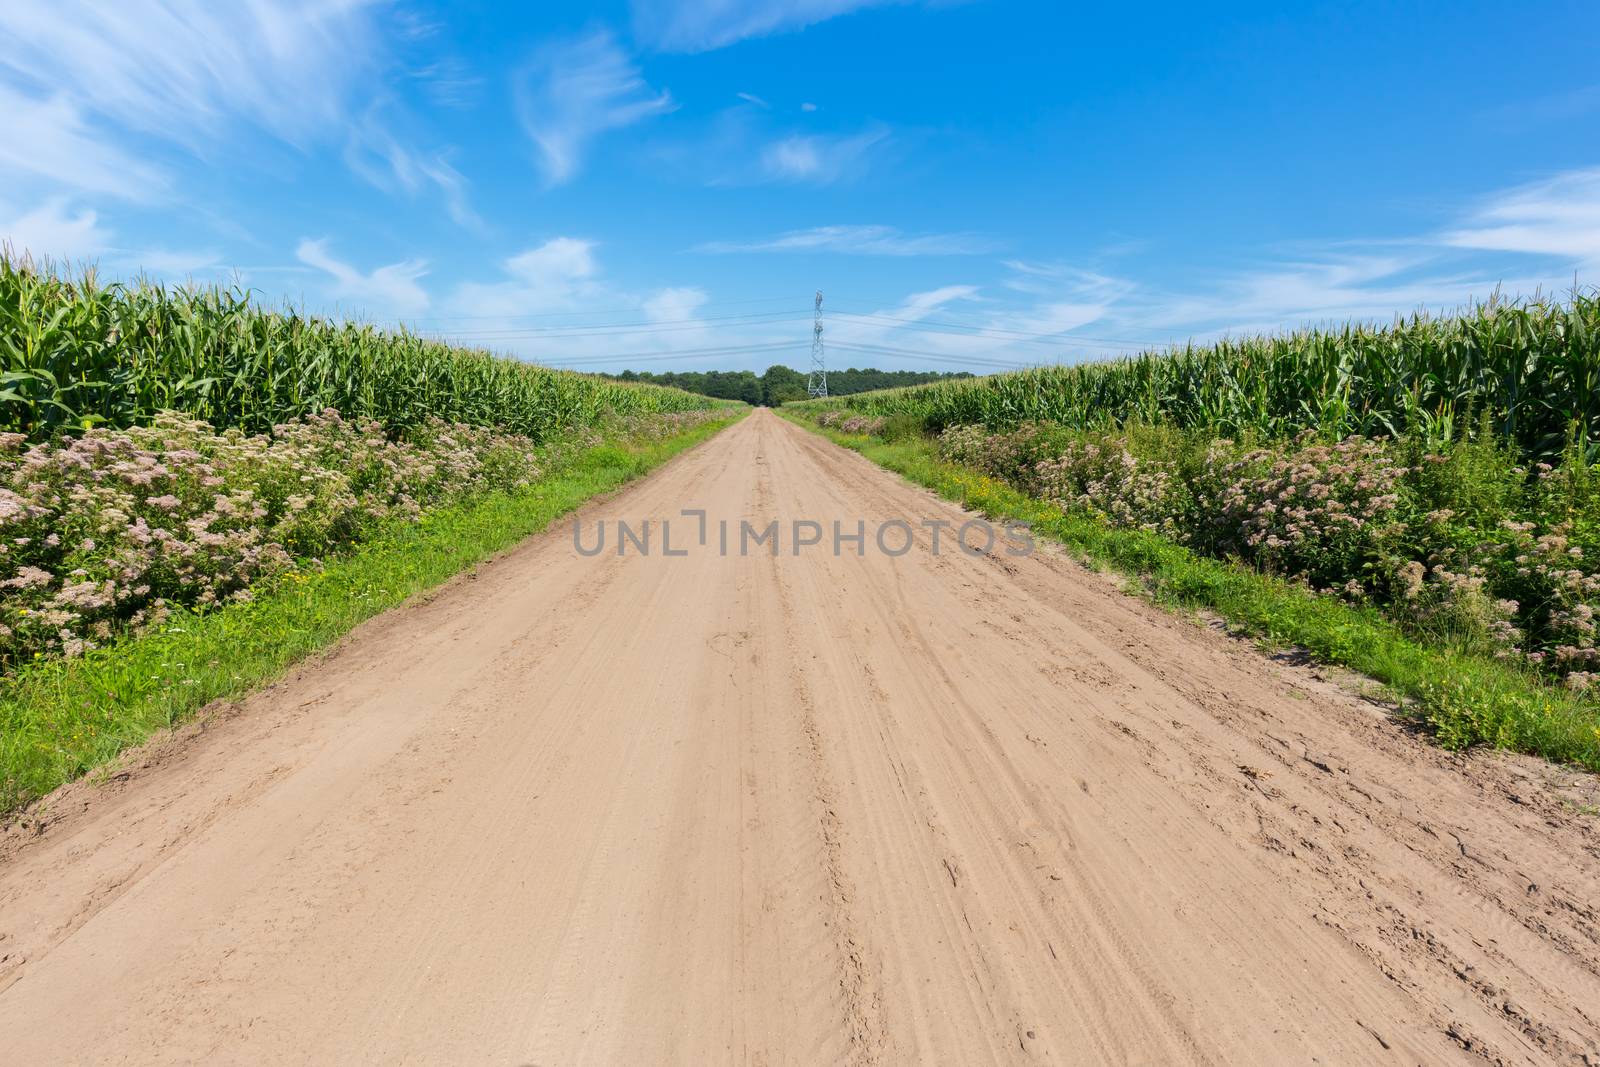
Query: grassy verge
point(1463, 699)
point(61, 718)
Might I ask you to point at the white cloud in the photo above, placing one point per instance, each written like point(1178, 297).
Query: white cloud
point(820, 159)
point(377, 156)
point(453, 187)
point(943, 327)
point(556, 276)
point(68, 234)
point(674, 305)
point(386, 291)
point(1060, 287)
point(177, 264)
point(860, 241)
point(702, 25)
point(1559, 216)
point(178, 69)
point(558, 263)
point(1329, 289)
point(55, 231)
point(808, 106)
point(1519, 241)
point(449, 82)
point(553, 303)
point(919, 304)
point(752, 98)
point(575, 90)
point(91, 89)
point(49, 141)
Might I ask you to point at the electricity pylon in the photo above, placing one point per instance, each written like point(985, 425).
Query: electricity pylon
point(818, 383)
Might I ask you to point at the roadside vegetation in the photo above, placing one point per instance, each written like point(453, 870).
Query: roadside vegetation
point(61, 717)
point(194, 492)
point(107, 532)
point(1421, 503)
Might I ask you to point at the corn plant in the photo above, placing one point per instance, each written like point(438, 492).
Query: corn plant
point(1530, 371)
point(75, 353)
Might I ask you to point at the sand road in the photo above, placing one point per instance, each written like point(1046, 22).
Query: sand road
point(803, 809)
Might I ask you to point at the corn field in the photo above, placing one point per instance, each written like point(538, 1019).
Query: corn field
point(1530, 369)
point(78, 354)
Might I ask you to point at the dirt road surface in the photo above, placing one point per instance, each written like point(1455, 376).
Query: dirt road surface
point(802, 809)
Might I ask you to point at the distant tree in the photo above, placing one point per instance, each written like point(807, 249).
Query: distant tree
point(779, 384)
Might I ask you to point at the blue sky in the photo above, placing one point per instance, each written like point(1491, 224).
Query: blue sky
point(663, 184)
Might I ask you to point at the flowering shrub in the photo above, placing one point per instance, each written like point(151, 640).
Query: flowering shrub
point(114, 528)
point(1455, 605)
point(1552, 575)
point(1466, 546)
point(1325, 513)
point(1013, 456)
point(1104, 478)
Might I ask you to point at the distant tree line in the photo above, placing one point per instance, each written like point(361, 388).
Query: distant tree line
point(779, 384)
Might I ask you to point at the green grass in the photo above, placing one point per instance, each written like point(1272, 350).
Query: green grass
point(1462, 699)
point(61, 718)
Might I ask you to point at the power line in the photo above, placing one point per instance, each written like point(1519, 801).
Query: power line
point(817, 383)
point(775, 318)
point(868, 346)
point(590, 311)
point(999, 332)
point(941, 357)
point(660, 326)
point(688, 353)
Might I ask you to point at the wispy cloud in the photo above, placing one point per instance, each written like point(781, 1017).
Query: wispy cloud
point(449, 82)
point(917, 305)
point(860, 241)
point(747, 146)
point(55, 230)
point(561, 265)
point(388, 291)
point(539, 305)
point(1335, 287)
point(92, 91)
point(64, 232)
point(1552, 108)
point(675, 304)
point(49, 143)
point(702, 25)
point(983, 325)
point(820, 159)
point(1519, 241)
point(175, 263)
point(376, 155)
point(179, 69)
point(752, 98)
point(575, 90)
point(555, 276)
point(1065, 297)
point(1558, 216)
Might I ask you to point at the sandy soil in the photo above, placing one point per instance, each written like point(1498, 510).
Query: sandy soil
point(801, 810)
